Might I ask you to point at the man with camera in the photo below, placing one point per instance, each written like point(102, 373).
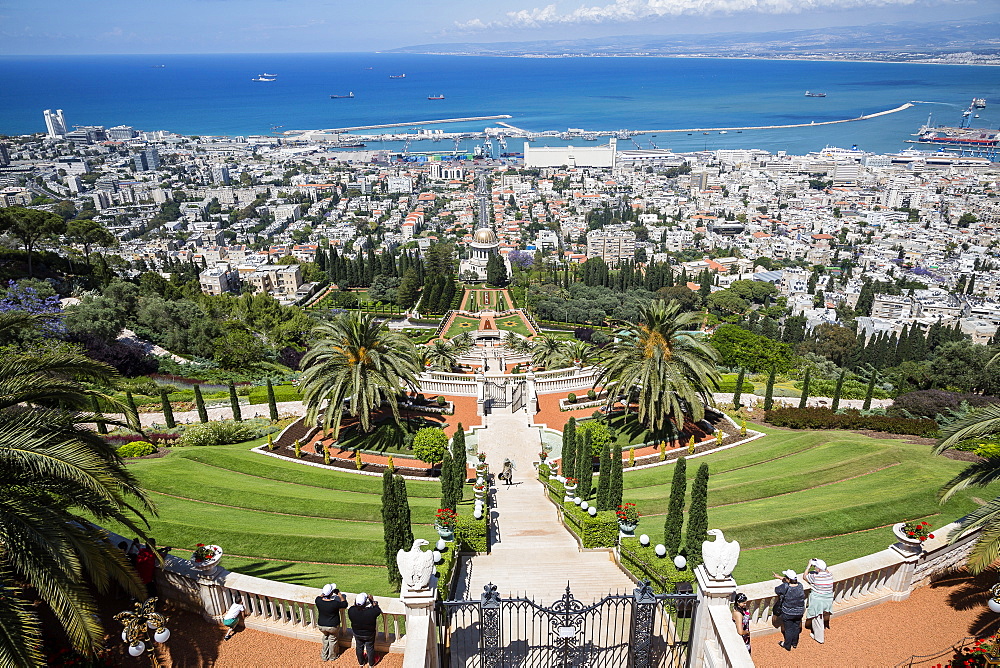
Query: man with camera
point(329, 604)
point(364, 615)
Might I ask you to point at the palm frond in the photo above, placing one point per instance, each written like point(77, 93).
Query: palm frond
point(984, 421)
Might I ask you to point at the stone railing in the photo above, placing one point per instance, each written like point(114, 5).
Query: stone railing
point(273, 607)
point(583, 381)
point(461, 388)
point(724, 648)
point(889, 575)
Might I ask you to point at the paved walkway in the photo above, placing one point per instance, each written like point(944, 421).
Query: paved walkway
point(532, 554)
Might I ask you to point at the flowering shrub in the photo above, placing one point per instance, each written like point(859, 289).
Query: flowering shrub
point(25, 298)
point(445, 518)
point(824, 418)
point(136, 449)
point(918, 530)
point(203, 553)
point(978, 653)
point(571, 482)
point(219, 433)
point(628, 513)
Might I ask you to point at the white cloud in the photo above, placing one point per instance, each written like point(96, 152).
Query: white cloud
point(626, 11)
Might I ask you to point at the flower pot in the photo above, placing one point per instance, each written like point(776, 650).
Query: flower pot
point(208, 567)
point(446, 533)
point(626, 530)
point(480, 493)
point(569, 494)
point(905, 545)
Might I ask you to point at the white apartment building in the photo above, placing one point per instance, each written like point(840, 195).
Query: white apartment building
point(612, 246)
point(55, 123)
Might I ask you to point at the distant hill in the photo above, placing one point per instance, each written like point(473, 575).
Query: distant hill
point(898, 41)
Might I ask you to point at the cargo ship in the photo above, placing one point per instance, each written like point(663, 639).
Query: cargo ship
point(809, 94)
point(951, 136)
point(343, 97)
point(435, 97)
point(397, 76)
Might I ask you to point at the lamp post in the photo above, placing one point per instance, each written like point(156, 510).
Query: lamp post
point(138, 624)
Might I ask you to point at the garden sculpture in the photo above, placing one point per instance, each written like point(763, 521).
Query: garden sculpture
point(415, 565)
point(719, 556)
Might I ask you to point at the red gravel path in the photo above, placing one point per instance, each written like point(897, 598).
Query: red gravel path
point(931, 620)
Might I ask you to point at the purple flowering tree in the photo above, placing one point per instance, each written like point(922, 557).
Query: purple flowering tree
point(521, 259)
point(26, 298)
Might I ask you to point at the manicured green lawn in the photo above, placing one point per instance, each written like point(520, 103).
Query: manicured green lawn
point(794, 495)
point(461, 324)
point(513, 323)
point(268, 514)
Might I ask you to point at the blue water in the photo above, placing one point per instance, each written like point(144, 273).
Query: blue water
point(214, 94)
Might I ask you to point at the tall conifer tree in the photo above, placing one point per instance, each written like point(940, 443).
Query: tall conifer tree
point(168, 411)
point(769, 391)
point(805, 389)
point(584, 466)
point(697, 529)
point(568, 463)
point(838, 389)
point(199, 403)
point(604, 478)
point(234, 401)
point(674, 522)
point(617, 482)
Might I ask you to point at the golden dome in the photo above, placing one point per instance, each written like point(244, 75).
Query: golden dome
point(484, 235)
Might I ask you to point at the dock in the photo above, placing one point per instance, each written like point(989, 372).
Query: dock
point(431, 122)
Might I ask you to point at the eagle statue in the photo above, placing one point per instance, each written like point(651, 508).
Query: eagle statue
point(719, 555)
point(416, 566)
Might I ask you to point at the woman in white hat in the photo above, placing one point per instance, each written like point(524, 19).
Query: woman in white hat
point(821, 597)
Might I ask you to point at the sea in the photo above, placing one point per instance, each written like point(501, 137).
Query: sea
point(216, 95)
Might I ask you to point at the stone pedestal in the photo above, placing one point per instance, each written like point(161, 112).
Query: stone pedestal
point(711, 593)
point(421, 628)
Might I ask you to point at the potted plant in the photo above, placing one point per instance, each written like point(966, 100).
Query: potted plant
point(570, 487)
point(481, 456)
point(479, 489)
point(206, 558)
point(911, 536)
point(444, 523)
point(542, 455)
point(628, 520)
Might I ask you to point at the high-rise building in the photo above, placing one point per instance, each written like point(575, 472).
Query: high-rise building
point(55, 123)
point(612, 246)
point(4, 155)
point(220, 175)
point(146, 160)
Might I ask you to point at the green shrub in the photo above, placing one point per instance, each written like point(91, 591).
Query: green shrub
point(600, 435)
point(470, 534)
point(643, 563)
point(601, 530)
point(591, 395)
point(258, 395)
point(729, 386)
point(219, 433)
point(429, 444)
point(824, 418)
point(571, 398)
point(136, 449)
point(852, 389)
point(988, 449)
point(449, 559)
point(544, 472)
point(441, 401)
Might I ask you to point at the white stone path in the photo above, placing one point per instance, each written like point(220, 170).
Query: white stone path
point(531, 553)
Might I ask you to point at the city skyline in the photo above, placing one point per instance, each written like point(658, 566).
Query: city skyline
point(272, 26)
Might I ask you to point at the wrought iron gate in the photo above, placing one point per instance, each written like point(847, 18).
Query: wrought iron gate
point(517, 401)
point(638, 630)
point(495, 395)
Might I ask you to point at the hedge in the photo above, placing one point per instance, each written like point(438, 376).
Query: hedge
point(258, 395)
point(470, 534)
point(449, 559)
point(601, 530)
point(645, 565)
point(730, 386)
point(824, 418)
point(931, 403)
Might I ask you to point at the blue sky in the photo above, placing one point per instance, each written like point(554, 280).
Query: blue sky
point(284, 26)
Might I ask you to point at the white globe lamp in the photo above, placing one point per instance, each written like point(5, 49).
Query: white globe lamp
point(437, 556)
point(441, 545)
point(163, 635)
point(478, 514)
point(661, 551)
point(592, 511)
point(577, 500)
point(680, 562)
point(584, 505)
point(137, 648)
point(644, 540)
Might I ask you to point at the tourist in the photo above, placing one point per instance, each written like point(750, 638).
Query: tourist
point(145, 566)
point(232, 617)
point(820, 599)
point(791, 606)
point(329, 604)
point(364, 615)
point(507, 474)
point(741, 617)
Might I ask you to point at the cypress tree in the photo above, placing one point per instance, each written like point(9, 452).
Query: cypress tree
point(769, 392)
point(95, 407)
point(697, 529)
point(617, 483)
point(447, 486)
point(459, 460)
point(604, 479)
point(168, 411)
point(271, 404)
point(870, 391)
point(805, 389)
point(584, 467)
point(199, 403)
point(838, 389)
point(568, 463)
point(389, 527)
point(234, 401)
point(675, 509)
point(738, 392)
point(403, 513)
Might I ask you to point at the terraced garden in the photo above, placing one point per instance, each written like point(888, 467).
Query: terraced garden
point(278, 519)
point(794, 495)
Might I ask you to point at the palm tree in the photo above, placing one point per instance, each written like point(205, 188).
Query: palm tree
point(441, 355)
point(983, 422)
point(672, 372)
point(463, 343)
point(580, 350)
point(515, 344)
point(357, 361)
point(548, 351)
point(57, 476)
